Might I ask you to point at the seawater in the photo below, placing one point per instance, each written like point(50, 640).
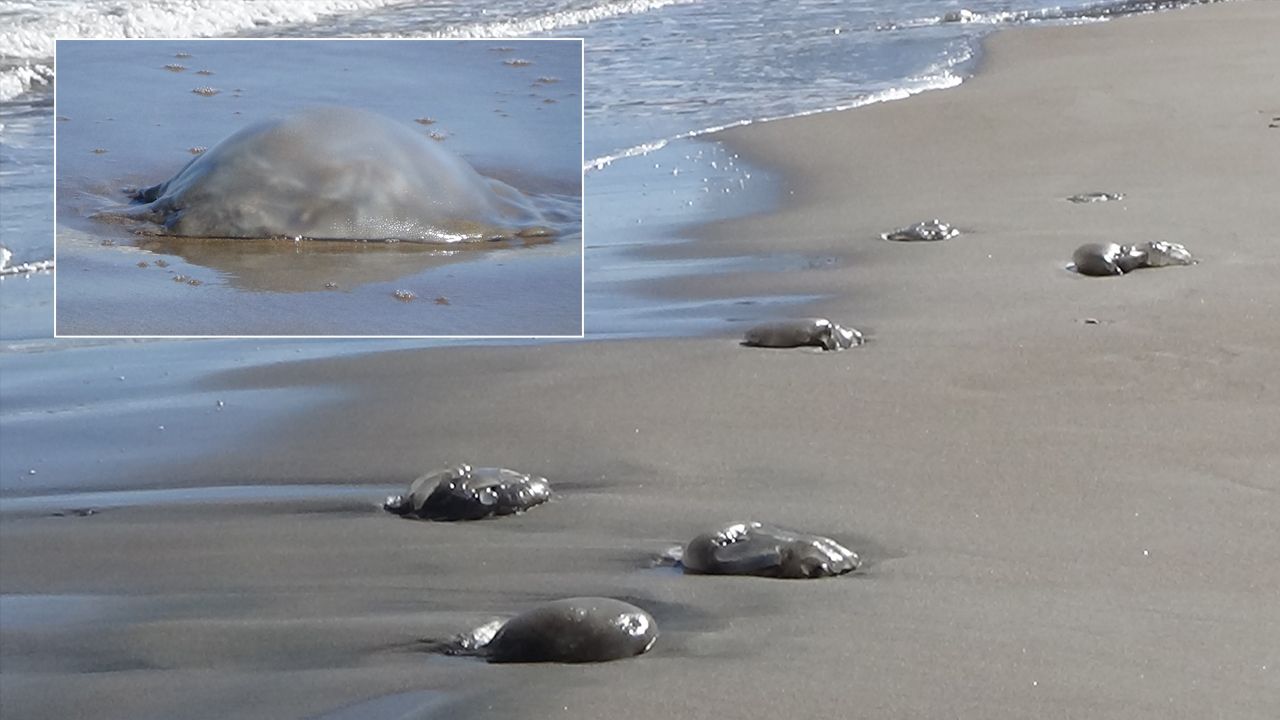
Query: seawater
point(660, 73)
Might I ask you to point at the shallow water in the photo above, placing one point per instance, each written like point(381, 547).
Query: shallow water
point(88, 418)
point(357, 495)
point(402, 706)
point(519, 122)
point(659, 69)
point(661, 191)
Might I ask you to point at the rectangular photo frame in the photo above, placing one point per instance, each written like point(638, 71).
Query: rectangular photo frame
point(385, 188)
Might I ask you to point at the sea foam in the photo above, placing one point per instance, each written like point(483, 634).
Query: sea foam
point(27, 48)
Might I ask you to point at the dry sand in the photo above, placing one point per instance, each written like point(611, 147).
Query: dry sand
point(1061, 519)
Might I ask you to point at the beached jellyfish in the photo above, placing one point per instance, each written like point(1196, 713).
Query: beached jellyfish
point(334, 173)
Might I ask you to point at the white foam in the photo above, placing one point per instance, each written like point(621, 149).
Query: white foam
point(17, 79)
point(1092, 12)
point(945, 79)
point(26, 47)
point(552, 21)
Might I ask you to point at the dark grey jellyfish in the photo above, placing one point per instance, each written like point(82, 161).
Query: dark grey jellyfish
point(1102, 259)
point(462, 492)
point(753, 548)
point(816, 332)
point(573, 630)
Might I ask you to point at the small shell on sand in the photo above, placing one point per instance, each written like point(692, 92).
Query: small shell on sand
point(175, 67)
point(1092, 197)
point(197, 150)
point(75, 512)
point(206, 91)
point(925, 231)
point(404, 295)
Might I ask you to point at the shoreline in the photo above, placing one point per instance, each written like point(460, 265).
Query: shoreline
point(1059, 519)
point(834, 208)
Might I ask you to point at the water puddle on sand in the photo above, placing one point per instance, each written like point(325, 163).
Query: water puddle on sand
point(640, 206)
point(87, 502)
point(84, 418)
point(55, 612)
point(27, 612)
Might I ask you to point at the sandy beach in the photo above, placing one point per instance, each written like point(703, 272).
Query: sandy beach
point(1065, 489)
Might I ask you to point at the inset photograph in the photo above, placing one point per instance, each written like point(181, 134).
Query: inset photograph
point(327, 188)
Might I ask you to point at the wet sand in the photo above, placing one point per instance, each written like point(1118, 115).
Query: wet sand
point(1060, 519)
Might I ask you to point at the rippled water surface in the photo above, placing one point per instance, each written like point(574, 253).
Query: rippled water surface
point(658, 70)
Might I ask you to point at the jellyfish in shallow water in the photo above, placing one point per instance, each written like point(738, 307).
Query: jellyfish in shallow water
point(334, 174)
